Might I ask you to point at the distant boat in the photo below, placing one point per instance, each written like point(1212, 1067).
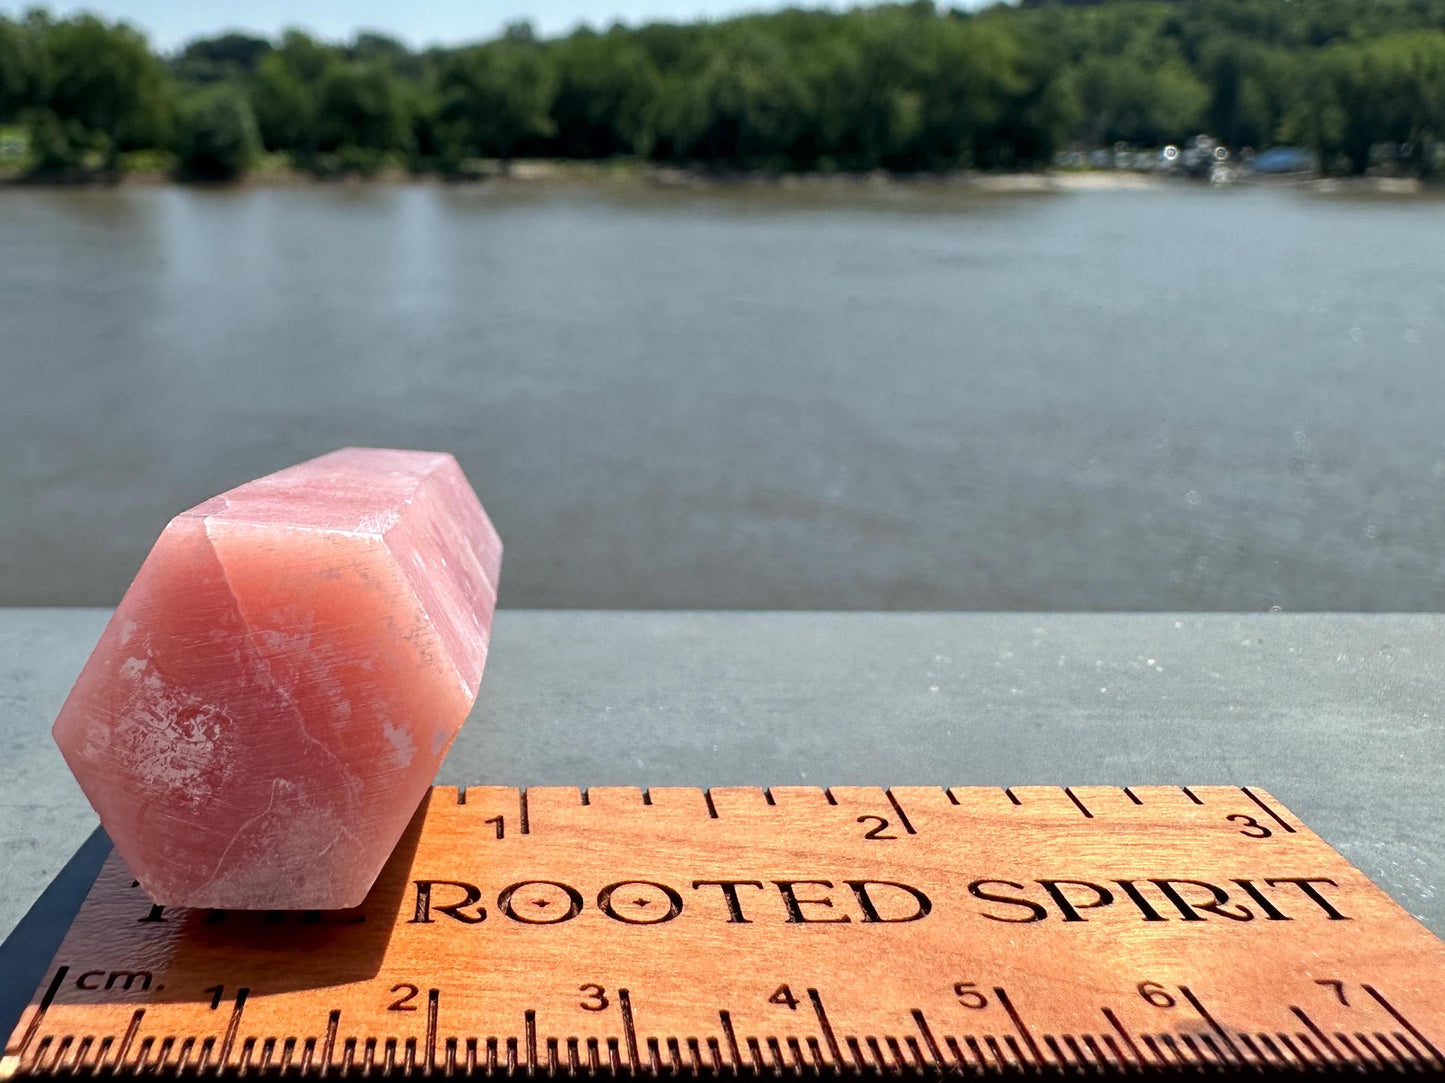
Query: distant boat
point(1284, 160)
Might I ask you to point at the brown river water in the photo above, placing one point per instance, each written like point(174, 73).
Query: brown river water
point(901, 399)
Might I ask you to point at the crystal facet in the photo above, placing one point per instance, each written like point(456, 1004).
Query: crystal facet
point(272, 697)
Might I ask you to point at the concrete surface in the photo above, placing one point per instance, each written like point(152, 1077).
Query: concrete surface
point(1340, 716)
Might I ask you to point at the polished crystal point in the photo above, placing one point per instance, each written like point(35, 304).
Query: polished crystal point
point(272, 698)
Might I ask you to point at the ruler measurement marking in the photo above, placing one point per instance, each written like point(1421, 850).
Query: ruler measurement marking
point(188, 1047)
point(1272, 1049)
point(529, 1035)
point(1000, 1057)
point(82, 1052)
point(1198, 1006)
point(629, 1027)
point(45, 1002)
point(308, 1055)
point(875, 1050)
point(1013, 1014)
point(60, 1053)
point(1389, 1047)
point(1369, 1046)
point(923, 1029)
point(902, 816)
point(1344, 1040)
point(954, 1050)
point(128, 1039)
point(1213, 1047)
point(775, 1048)
point(1275, 816)
point(826, 1026)
point(526, 827)
point(976, 1049)
point(1116, 1051)
point(1191, 1047)
point(1249, 1044)
point(732, 1039)
point(73, 1046)
point(1313, 1028)
point(755, 1050)
point(164, 1054)
point(1410, 1027)
point(819, 1059)
point(1069, 791)
point(433, 1006)
point(328, 1044)
point(288, 1051)
point(1152, 1043)
point(910, 1045)
point(1055, 1049)
point(231, 1028)
point(1119, 1029)
point(1409, 1047)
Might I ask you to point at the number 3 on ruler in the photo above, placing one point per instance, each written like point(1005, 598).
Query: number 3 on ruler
point(596, 997)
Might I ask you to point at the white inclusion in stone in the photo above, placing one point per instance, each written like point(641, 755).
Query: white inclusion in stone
point(132, 668)
point(127, 630)
point(378, 522)
point(403, 748)
point(168, 739)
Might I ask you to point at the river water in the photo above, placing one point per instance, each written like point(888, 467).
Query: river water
point(896, 398)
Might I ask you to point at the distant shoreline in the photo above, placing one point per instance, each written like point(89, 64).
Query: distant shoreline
point(530, 173)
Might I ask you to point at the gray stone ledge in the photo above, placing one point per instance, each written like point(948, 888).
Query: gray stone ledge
point(1338, 715)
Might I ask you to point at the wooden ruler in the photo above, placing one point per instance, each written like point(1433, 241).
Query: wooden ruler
point(792, 931)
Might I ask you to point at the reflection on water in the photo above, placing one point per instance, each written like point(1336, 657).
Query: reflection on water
point(1147, 399)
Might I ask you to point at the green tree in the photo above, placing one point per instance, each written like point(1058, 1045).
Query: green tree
point(747, 107)
point(607, 96)
point(359, 108)
point(219, 139)
point(57, 147)
point(1389, 90)
point(226, 58)
point(492, 98)
point(1126, 99)
point(15, 75)
point(286, 93)
point(901, 86)
point(105, 79)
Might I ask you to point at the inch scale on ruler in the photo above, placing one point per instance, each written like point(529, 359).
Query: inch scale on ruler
point(842, 931)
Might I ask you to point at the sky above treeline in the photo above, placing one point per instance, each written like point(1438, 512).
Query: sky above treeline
point(171, 23)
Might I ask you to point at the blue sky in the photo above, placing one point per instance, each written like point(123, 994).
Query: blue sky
point(171, 22)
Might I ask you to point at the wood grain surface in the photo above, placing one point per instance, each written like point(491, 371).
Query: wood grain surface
point(1153, 930)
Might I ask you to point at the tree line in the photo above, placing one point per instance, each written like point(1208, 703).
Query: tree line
point(904, 87)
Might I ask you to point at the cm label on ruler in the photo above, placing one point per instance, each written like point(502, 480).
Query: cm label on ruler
point(794, 929)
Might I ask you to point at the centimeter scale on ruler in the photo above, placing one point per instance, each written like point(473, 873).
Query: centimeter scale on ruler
point(787, 931)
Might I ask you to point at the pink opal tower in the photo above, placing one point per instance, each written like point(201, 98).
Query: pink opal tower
point(274, 694)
